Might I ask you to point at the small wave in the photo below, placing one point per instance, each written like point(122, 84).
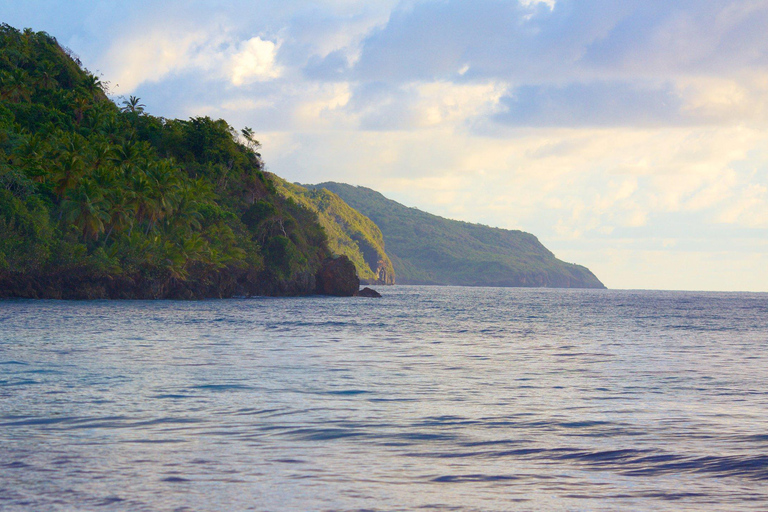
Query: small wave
point(23, 382)
point(323, 434)
point(474, 478)
point(348, 392)
point(37, 421)
point(222, 387)
point(16, 465)
point(110, 500)
point(175, 479)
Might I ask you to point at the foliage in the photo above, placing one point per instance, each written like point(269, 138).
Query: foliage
point(427, 249)
point(349, 232)
point(98, 200)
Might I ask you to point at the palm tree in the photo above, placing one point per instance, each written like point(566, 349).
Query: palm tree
point(100, 154)
point(15, 86)
point(67, 171)
point(141, 197)
point(186, 216)
point(94, 86)
point(121, 211)
point(32, 156)
point(164, 190)
point(69, 166)
point(46, 80)
point(86, 208)
point(250, 139)
point(81, 107)
point(132, 104)
point(133, 154)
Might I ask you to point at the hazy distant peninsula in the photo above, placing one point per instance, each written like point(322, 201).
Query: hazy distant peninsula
point(105, 201)
point(427, 249)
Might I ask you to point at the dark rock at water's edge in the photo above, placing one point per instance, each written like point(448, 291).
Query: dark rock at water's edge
point(368, 292)
point(82, 284)
point(337, 276)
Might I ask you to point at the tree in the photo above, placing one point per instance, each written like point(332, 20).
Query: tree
point(15, 86)
point(133, 104)
point(121, 211)
point(94, 86)
point(86, 208)
point(250, 139)
point(68, 169)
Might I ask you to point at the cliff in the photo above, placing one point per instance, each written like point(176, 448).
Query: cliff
point(427, 249)
point(349, 232)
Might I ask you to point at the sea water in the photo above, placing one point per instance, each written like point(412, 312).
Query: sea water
point(431, 398)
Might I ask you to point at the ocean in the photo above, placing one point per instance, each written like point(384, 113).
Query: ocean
point(430, 398)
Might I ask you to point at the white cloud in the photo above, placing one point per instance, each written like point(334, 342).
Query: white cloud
point(424, 104)
point(151, 56)
point(750, 209)
point(317, 105)
point(529, 3)
point(255, 61)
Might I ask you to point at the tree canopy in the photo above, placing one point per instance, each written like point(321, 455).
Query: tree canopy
point(101, 200)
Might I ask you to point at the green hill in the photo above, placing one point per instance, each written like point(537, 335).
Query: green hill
point(103, 201)
point(349, 232)
point(427, 249)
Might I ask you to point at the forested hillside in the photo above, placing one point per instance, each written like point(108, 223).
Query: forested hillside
point(427, 249)
point(104, 200)
point(349, 232)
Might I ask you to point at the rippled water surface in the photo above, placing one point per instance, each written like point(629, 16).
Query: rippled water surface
point(430, 398)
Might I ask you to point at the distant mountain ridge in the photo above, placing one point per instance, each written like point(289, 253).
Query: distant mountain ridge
point(428, 249)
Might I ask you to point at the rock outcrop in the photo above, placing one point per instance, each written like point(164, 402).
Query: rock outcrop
point(368, 292)
point(338, 276)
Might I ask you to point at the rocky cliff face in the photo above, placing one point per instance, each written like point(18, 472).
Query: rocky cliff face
point(338, 277)
point(384, 274)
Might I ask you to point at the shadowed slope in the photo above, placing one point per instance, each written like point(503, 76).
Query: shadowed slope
point(349, 232)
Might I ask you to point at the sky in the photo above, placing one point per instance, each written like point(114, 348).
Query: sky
point(629, 136)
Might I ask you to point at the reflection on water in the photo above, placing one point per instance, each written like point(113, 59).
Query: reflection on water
point(433, 398)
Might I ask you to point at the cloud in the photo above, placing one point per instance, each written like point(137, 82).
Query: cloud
point(153, 55)
point(582, 63)
point(594, 104)
point(574, 39)
point(255, 61)
point(378, 106)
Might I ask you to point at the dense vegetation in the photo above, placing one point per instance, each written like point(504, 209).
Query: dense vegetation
point(427, 249)
point(101, 200)
point(349, 232)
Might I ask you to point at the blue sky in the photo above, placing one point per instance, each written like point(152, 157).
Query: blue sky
point(629, 136)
